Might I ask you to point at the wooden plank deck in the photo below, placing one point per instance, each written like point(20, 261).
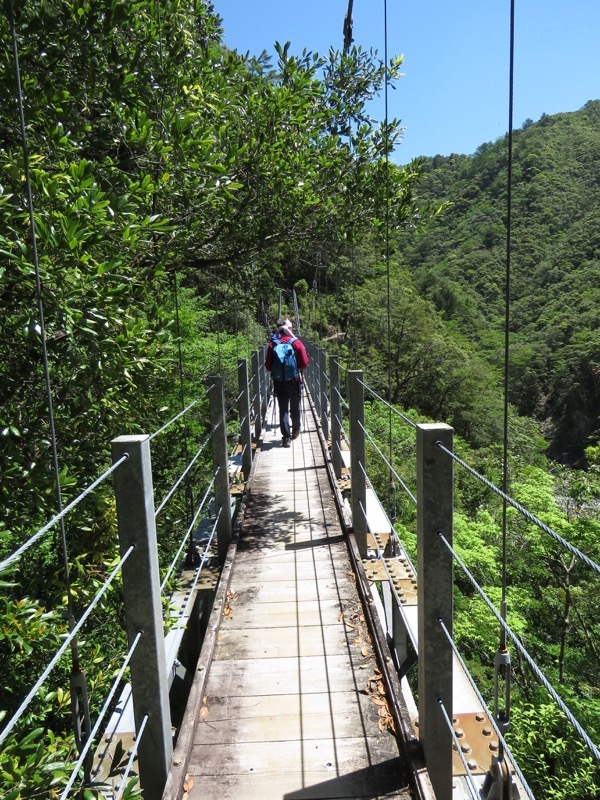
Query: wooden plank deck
point(292, 704)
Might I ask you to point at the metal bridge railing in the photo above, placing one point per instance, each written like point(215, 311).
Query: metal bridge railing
point(147, 659)
point(431, 633)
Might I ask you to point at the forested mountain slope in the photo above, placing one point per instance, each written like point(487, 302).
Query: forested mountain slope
point(459, 262)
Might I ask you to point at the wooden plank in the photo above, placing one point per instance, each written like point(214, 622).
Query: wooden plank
point(360, 785)
point(283, 642)
point(327, 756)
point(288, 717)
point(308, 674)
point(304, 612)
point(288, 711)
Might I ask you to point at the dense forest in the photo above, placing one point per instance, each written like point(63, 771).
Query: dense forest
point(555, 254)
point(180, 191)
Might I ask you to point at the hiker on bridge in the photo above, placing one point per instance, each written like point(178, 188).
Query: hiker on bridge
point(285, 360)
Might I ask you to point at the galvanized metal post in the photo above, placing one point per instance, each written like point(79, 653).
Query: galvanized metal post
point(336, 416)
point(312, 368)
point(216, 397)
point(317, 392)
point(434, 515)
point(256, 402)
point(358, 463)
point(324, 400)
point(244, 409)
point(264, 380)
point(143, 610)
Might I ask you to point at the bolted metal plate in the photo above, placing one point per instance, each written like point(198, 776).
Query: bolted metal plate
point(403, 578)
point(478, 742)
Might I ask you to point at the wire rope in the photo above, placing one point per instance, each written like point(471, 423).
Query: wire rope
point(75, 668)
point(188, 532)
point(343, 402)
point(387, 242)
point(188, 488)
point(183, 614)
point(468, 773)
point(173, 489)
point(218, 320)
point(391, 468)
point(406, 419)
point(174, 419)
point(507, 299)
point(101, 715)
point(24, 547)
point(527, 514)
point(534, 667)
point(73, 633)
point(485, 707)
point(132, 755)
point(233, 405)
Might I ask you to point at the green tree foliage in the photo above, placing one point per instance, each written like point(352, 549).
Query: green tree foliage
point(459, 264)
point(168, 174)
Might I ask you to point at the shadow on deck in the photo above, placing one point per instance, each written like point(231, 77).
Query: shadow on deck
point(291, 698)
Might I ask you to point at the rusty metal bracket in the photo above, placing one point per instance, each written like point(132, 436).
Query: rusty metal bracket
point(498, 783)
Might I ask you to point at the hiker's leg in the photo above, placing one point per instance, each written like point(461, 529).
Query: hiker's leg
point(283, 400)
point(295, 407)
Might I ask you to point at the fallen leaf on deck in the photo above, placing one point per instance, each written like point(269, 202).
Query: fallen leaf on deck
point(204, 710)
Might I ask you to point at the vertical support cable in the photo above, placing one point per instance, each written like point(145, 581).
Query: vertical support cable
point(189, 496)
point(263, 380)
point(391, 484)
point(353, 262)
point(502, 658)
point(219, 370)
point(79, 696)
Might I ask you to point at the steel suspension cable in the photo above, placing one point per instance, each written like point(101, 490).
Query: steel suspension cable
point(527, 514)
point(115, 685)
point(132, 756)
point(75, 667)
point(406, 419)
point(484, 705)
point(24, 547)
point(73, 633)
point(507, 298)
point(534, 667)
point(388, 463)
point(172, 420)
point(189, 493)
point(218, 323)
point(391, 497)
point(189, 533)
point(173, 489)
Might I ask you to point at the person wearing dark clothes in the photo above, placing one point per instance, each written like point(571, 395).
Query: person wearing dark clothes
point(288, 392)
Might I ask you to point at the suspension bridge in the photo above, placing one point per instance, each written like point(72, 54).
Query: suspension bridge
point(317, 660)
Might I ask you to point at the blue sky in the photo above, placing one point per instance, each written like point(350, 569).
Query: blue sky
point(454, 93)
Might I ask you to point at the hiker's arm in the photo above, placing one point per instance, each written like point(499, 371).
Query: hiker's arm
point(301, 355)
